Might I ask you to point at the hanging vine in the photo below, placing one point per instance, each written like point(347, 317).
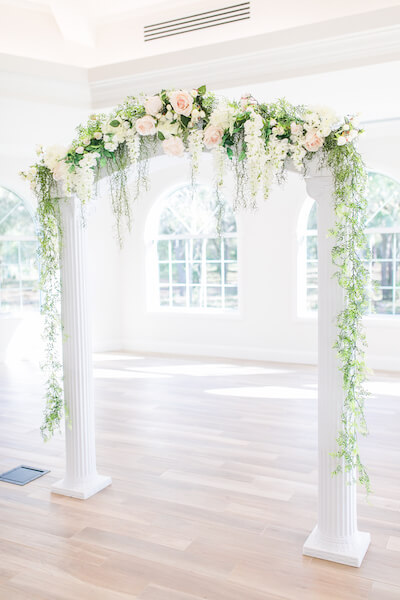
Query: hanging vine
point(256, 140)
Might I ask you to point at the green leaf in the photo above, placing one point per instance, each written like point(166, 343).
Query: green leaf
point(229, 152)
point(185, 120)
point(161, 136)
point(202, 90)
point(242, 155)
point(115, 123)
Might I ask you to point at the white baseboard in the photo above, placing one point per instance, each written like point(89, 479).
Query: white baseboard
point(382, 363)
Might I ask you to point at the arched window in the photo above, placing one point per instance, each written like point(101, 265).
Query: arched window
point(18, 256)
point(383, 234)
point(197, 267)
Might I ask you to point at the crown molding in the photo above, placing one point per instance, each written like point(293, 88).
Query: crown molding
point(334, 45)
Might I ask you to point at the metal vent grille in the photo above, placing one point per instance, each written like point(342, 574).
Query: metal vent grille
point(204, 20)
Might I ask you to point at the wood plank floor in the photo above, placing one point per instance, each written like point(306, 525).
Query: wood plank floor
point(214, 488)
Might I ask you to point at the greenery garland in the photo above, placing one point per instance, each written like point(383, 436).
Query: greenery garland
point(256, 140)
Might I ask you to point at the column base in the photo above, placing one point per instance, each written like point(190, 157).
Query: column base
point(82, 490)
point(349, 552)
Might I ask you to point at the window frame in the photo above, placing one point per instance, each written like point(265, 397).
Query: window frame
point(152, 237)
point(304, 233)
point(20, 312)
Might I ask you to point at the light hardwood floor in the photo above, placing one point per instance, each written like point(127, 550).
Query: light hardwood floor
point(214, 488)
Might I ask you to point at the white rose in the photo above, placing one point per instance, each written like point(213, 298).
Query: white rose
point(80, 150)
point(146, 125)
point(60, 171)
point(111, 146)
point(153, 105)
point(97, 135)
point(173, 146)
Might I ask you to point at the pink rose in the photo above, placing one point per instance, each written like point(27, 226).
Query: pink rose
point(146, 125)
point(247, 100)
point(153, 105)
point(212, 136)
point(182, 102)
point(173, 146)
point(296, 128)
point(313, 141)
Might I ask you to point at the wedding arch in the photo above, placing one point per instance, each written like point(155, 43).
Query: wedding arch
point(259, 142)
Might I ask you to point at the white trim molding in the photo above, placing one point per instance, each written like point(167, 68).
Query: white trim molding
point(338, 44)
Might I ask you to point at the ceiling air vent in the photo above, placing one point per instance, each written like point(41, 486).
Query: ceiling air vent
point(204, 20)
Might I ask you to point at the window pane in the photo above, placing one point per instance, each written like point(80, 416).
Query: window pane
point(163, 250)
point(312, 274)
point(30, 299)
point(164, 296)
point(231, 273)
point(179, 296)
point(14, 216)
point(195, 273)
point(164, 273)
point(213, 273)
point(397, 308)
point(195, 296)
point(178, 249)
point(312, 217)
point(231, 297)
point(196, 249)
point(230, 249)
point(382, 272)
point(10, 299)
point(382, 245)
point(398, 245)
point(312, 299)
point(382, 301)
point(214, 297)
point(312, 246)
point(397, 273)
point(214, 249)
point(178, 272)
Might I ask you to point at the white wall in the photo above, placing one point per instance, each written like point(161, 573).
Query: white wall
point(28, 119)
point(268, 326)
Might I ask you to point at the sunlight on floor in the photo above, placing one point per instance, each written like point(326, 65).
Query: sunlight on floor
point(268, 392)
point(122, 374)
point(210, 370)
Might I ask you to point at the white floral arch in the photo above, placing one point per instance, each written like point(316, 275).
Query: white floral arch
point(259, 142)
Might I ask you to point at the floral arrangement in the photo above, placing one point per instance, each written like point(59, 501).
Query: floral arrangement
point(256, 140)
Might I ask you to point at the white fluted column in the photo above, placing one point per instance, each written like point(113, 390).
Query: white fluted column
point(81, 479)
point(335, 536)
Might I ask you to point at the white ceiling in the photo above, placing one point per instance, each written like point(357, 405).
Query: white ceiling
point(91, 33)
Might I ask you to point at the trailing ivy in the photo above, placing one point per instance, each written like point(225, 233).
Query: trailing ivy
point(50, 239)
point(349, 254)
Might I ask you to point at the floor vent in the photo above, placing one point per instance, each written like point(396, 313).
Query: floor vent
point(204, 20)
point(22, 475)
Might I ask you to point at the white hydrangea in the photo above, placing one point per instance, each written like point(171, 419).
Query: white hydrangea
point(322, 118)
point(224, 116)
point(166, 127)
point(53, 154)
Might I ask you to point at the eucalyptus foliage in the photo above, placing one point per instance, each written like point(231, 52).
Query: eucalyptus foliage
point(255, 141)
